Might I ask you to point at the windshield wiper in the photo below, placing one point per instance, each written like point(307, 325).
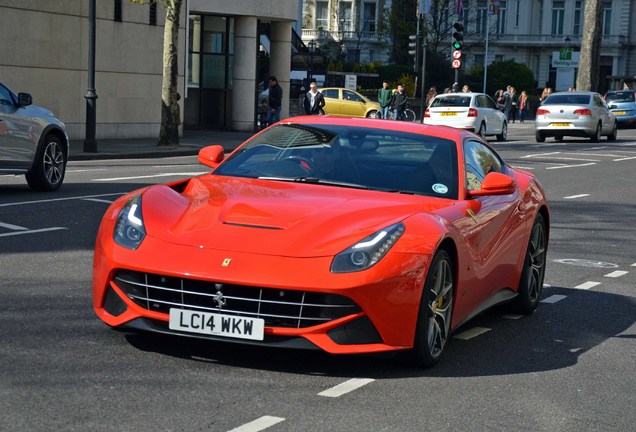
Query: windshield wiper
point(316, 180)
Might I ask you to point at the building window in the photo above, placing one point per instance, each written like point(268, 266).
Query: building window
point(153, 14)
point(479, 59)
point(517, 14)
point(499, 58)
point(558, 13)
point(118, 14)
point(369, 18)
point(607, 17)
point(345, 15)
point(482, 18)
point(501, 18)
point(576, 29)
point(322, 15)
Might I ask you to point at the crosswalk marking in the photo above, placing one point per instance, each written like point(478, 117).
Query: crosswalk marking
point(346, 387)
point(617, 273)
point(259, 424)
point(587, 285)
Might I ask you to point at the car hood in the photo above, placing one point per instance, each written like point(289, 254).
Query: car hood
point(273, 217)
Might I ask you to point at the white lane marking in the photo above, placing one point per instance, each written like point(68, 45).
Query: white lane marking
point(259, 424)
point(587, 285)
point(12, 227)
point(571, 166)
point(512, 316)
point(546, 286)
point(60, 199)
point(85, 170)
point(32, 231)
point(576, 196)
point(540, 155)
point(179, 174)
point(553, 298)
point(346, 387)
point(176, 166)
point(523, 167)
point(624, 159)
point(577, 159)
point(633, 265)
point(617, 273)
point(473, 332)
point(597, 154)
point(98, 200)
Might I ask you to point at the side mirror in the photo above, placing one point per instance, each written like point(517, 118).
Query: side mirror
point(211, 156)
point(24, 99)
point(613, 106)
point(495, 184)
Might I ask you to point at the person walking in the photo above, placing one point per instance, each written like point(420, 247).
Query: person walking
point(507, 103)
point(523, 106)
point(314, 101)
point(432, 92)
point(275, 100)
point(384, 99)
point(514, 101)
point(399, 103)
point(546, 92)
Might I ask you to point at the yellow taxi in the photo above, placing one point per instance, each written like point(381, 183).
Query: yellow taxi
point(346, 102)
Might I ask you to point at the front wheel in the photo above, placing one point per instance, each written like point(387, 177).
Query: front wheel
point(372, 114)
point(436, 309)
point(533, 273)
point(504, 132)
point(409, 115)
point(49, 166)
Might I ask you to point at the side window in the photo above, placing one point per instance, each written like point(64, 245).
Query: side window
point(331, 93)
point(489, 103)
point(6, 100)
point(479, 160)
point(351, 96)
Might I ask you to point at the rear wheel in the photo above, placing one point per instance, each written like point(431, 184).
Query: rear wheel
point(539, 137)
point(436, 309)
point(533, 272)
point(409, 115)
point(47, 173)
point(596, 137)
point(558, 138)
point(482, 130)
point(614, 134)
point(504, 132)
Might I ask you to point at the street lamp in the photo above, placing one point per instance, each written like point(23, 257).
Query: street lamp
point(312, 48)
point(90, 145)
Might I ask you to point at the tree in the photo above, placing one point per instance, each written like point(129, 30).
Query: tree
point(170, 115)
point(588, 76)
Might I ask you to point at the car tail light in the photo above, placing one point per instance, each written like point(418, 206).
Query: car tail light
point(427, 113)
point(472, 112)
point(583, 111)
point(542, 111)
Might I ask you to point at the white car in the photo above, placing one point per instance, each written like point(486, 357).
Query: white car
point(476, 112)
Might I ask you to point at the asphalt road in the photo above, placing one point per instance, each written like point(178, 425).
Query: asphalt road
point(568, 367)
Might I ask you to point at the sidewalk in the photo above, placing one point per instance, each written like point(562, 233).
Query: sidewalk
point(189, 144)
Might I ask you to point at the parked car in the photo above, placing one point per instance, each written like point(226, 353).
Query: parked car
point(33, 142)
point(623, 104)
point(346, 102)
point(578, 114)
point(476, 112)
point(346, 235)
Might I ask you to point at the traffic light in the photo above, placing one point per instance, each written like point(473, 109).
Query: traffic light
point(458, 37)
point(414, 49)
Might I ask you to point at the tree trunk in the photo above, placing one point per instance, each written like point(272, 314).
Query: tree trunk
point(589, 63)
point(170, 113)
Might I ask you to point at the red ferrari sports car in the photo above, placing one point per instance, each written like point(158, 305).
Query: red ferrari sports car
point(346, 235)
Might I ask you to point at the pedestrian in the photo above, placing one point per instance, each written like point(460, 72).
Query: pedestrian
point(499, 99)
point(314, 101)
point(507, 103)
point(263, 110)
point(384, 98)
point(275, 100)
point(455, 87)
point(514, 100)
point(465, 89)
point(447, 90)
point(399, 103)
point(432, 92)
point(523, 106)
point(545, 93)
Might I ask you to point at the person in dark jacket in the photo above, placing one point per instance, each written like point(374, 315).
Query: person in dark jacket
point(275, 100)
point(384, 98)
point(399, 103)
point(314, 101)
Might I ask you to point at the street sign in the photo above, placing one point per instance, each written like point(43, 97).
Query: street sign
point(456, 63)
point(457, 54)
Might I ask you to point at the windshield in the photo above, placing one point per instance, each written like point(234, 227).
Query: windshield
point(620, 97)
point(345, 156)
point(567, 99)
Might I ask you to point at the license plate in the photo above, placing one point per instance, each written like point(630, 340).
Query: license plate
point(216, 324)
point(449, 113)
point(620, 112)
point(560, 124)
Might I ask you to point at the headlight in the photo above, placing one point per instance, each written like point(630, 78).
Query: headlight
point(367, 252)
point(129, 229)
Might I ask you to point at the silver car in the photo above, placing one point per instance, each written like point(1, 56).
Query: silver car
point(579, 114)
point(33, 141)
point(476, 112)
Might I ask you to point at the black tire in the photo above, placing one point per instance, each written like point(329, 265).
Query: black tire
point(482, 130)
point(504, 132)
point(614, 134)
point(436, 311)
point(409, 115)
point(539, 137)
point(533, 273)
point(558, 138)
point(49, 166)
point(372, 114)
point(596, 137)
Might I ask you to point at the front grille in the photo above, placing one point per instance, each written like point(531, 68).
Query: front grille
point(278, 307)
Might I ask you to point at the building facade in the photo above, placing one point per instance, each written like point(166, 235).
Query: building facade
point(45, 53)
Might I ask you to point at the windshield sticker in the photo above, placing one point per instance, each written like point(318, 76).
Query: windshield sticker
point(440, 188)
